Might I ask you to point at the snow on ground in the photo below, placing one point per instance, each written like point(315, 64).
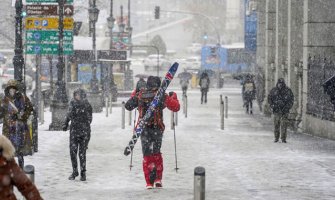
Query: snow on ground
point(241, 162)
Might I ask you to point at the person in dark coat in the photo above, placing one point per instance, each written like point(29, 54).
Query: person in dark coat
point(15, 110)
point(12, 175)
point(80, 115)
point(249, 93)
point(281, 101)
point(204, 86)
point(151, 138)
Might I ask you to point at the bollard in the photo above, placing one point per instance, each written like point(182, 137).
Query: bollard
point(199, 183)
point(42, 112)
point(29, 170)
point(222, 115)
point(123, 115)
point(185, 106)
point(130, 117)
point(106, 105)
point(111, 103)
point(226, 106)
point(172, 120)
point(176, 119)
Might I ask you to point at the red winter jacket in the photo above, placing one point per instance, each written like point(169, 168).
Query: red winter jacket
point(170, 101)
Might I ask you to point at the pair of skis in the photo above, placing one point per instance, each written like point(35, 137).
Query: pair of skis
point(161, 92)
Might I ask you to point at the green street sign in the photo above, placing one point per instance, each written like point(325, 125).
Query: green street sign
point(48, 49)
point(48, 1)
point(48, 36)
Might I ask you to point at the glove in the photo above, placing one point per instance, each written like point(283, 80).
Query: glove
point(171, 93)
point(127, 151)
point(14, 117)
point(65, 126)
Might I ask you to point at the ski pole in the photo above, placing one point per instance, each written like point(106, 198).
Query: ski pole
point(175, 146)
point(131, 156)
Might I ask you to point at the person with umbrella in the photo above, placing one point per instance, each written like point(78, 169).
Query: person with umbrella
point(184, 80)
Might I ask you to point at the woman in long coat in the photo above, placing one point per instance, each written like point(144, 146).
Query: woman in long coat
point(15, 110)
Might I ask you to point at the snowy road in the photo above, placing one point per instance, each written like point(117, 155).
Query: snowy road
point(241, 162)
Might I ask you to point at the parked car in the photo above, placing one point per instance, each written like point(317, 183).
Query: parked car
point(9, 74)
point(150, 63)
point(193, 62)
point(194, 48)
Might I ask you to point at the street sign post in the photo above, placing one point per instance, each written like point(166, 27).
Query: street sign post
point(48, 36)
point(48, 49)
point(48, 1)
point(48, 10)
point(46, 23)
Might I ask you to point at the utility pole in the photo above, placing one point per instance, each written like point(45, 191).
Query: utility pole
point(111, 20)
point(18, 60)
point(60, 101)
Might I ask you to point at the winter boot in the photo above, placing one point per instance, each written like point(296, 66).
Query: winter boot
point(158, 184)
point(83, 176)
point(149, 186)
point(73, 175)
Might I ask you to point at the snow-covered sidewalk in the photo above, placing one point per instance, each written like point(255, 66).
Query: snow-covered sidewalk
point(241, 162)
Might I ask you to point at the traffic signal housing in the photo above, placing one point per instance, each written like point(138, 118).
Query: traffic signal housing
point(157, 12)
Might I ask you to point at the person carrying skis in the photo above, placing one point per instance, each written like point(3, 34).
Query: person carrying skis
point(80, 115)
point(151, 138)
point(204, 86)
point(248, 93)
point(15, 111)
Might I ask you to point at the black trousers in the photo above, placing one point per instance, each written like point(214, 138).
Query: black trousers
point(204, 95)
point(151, 140)
point(79, 143)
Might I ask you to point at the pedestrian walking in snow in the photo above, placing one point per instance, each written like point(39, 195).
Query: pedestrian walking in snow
point(249, 93)
point(280, 100)
point(15, 111)
point(204, 86)
point(151, 138)
point(80, 115)
point(12, 175)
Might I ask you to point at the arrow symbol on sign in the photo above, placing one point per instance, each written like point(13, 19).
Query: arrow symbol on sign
point(68, 10)
point(29, 35)
point(30, 48)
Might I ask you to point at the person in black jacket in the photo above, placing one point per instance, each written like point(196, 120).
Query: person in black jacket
point(80, 115)
point(281, 101)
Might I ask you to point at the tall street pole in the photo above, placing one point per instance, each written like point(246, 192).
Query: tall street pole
point(94, 81)
point(60, 99)
point(111, 20)
point(18, 60)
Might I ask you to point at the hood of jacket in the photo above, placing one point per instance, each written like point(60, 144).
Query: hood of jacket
point(6, 148)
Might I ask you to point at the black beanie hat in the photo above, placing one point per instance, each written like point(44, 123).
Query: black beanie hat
point(153, 82)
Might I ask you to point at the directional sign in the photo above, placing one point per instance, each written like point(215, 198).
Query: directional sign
point(48, 49)
point(48, 36)
point(120, 40)
point(112, 55)
point(39, 10)
point(47, 23)
point(48, 1)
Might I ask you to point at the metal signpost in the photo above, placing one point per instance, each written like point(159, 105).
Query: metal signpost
point(48, 1)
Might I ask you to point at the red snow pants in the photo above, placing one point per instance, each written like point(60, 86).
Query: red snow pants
point(149, 163)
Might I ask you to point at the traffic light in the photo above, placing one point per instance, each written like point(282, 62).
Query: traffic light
point(205, 36)
point(157, 12)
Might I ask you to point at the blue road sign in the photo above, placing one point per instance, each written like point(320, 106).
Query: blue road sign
point(44, 22)
point(37, 36)
point(36, 22)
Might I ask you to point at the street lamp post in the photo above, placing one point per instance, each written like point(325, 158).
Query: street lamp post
point(110, 21)
point(93, 15)
point(18, 60)
point(60, 100)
